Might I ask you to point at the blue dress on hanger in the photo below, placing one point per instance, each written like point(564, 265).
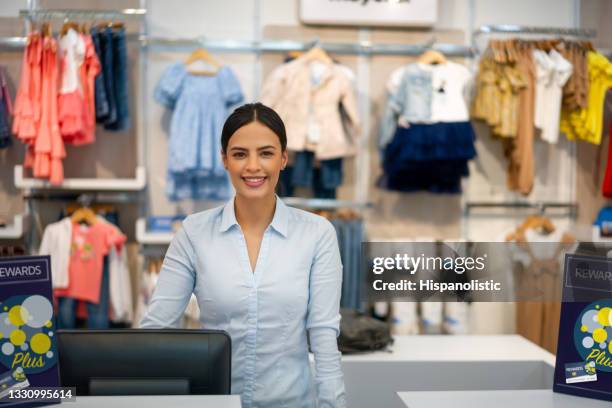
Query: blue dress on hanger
point(200, 105)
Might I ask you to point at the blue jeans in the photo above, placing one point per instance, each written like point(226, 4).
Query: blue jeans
point(323, 180)
point(97, 314)
point(120, 86)
point(107, 61)
point(102, 106)
point(350, 235)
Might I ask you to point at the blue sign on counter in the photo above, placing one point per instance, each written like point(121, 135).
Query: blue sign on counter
point(28, 354)
point(584, 351)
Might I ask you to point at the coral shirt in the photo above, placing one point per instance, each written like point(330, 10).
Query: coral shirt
point(90, 244)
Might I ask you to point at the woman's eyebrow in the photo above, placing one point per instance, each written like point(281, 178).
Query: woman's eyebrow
point(259, 148)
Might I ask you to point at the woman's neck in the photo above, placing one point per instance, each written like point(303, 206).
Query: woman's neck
point(254, 213)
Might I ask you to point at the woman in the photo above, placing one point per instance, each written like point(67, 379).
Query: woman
point(266, 273)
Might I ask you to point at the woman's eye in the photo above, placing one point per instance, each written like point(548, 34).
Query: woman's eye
point(238, 155)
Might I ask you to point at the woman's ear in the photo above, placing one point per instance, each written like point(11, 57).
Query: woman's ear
point(285, 159)
point(224, 157)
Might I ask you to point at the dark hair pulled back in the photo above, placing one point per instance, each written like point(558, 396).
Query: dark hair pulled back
point(252, 112)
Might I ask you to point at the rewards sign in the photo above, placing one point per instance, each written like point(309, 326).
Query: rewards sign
point(28, 357)
point(584, 355)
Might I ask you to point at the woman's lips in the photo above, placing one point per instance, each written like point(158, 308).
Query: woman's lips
point(254, 182)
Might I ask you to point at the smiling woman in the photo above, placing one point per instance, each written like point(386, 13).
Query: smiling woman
point(268, 274)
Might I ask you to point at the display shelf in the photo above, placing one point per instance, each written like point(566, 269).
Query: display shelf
point(324, 203)
point(73, 14)
point(84, 184)
point(145, 237)
point(14, 230)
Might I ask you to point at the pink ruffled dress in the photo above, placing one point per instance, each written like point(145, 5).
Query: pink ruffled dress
point(72, 113)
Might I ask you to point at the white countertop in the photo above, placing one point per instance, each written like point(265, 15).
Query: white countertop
point(458, 348)
point(498, 399)
point(161, 401)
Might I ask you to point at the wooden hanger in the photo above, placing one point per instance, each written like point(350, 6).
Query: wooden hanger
point(84, 214)
point(317, 53)
point(202, 54)
point(67, 26)
point(432, 57)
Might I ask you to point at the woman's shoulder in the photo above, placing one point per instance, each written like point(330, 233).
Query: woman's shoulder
point(202, 220)
point(298, 217)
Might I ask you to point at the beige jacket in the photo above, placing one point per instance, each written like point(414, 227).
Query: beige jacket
point(307, 96)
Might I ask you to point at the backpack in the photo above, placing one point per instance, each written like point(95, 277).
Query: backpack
point(362, 333)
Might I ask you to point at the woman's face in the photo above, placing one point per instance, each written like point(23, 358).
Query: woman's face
point(254, 160)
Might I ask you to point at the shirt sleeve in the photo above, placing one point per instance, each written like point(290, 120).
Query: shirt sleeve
point(169, 87)
point(349, 104)
point(323, 319)
point(113, 238)
point(174, 286)
point(230, 87)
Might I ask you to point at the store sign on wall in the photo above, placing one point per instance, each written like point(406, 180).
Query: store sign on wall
point(28, 355)
point(405, 13)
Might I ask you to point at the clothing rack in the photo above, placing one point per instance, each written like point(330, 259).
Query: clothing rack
point(106, 198)
point(519, 29)
point(541, 206)
point(70, 14)
point(358, 48)
point(325, 204)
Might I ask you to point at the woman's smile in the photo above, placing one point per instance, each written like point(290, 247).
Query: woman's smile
point(254, 182)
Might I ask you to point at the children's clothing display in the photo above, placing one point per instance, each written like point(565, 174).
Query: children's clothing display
point(307, 95)
point(432, 138)
point(200, 105)
point(58, 91)
point(316, 99)
point(554, 86)
point(90, 265)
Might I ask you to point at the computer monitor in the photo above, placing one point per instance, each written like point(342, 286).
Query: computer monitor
point(145, 362)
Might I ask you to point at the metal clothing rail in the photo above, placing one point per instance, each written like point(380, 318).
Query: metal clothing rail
point(359, 48)
point(324, 203)
point(519, 29)
point(82, 14)
point(13, 42)
point(541, 206)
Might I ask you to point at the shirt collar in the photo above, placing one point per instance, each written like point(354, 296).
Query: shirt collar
point(279, 221)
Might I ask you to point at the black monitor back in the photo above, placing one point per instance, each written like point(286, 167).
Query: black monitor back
point(145, 362)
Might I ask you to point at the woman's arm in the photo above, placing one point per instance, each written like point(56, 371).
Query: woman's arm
point(174, 286)
point(323, 319)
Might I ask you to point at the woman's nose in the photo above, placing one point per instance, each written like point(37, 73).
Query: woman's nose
point(253, 163)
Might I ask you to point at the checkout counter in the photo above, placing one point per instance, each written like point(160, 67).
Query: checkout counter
point(422, 371)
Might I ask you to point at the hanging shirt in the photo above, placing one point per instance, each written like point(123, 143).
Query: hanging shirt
point(306, 95)
point(552, 72)
point(87, 250)
point(587, 123)
point(294, 288)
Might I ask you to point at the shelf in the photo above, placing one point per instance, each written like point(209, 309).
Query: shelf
point(324, 203)
point(84, 184)
point(14, 230)
point(151, 238)
point(72, 14)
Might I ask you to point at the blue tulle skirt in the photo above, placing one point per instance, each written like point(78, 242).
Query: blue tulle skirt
point(430, 158)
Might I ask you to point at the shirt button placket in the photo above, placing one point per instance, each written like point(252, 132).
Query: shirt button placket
point(252, 341)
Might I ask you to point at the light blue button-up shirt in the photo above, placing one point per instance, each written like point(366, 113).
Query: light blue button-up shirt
point(294, 289)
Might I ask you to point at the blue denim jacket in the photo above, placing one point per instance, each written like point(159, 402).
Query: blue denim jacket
point(411, 101)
